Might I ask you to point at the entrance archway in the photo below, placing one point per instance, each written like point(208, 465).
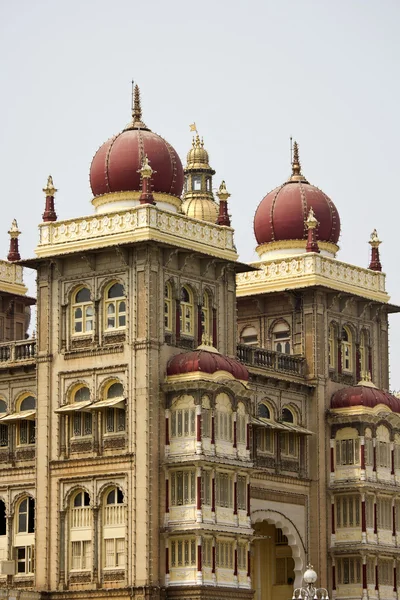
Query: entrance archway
point(278, 556)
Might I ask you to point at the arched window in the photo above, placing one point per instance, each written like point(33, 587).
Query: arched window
point(115, 412)
point(287, 415)
point(249, 336)
point(80, 532)
point(332, 341)
point(186, 316)
point(281, 337)
point(26, 426)
point(3, 426)
point(24, 539)
point(347, 349)
point(115, 307)
point(364, 367)
point(205, 319)
point(26, 516)
point(82, 312)
point(168, 307)
point(347, 447)
point(263, 411)
point(223, 420)
point(183, 418)
point(113, 529)
point(81, 422)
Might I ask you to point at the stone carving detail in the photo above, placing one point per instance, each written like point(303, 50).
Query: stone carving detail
point(133, 222)
point(113, 575)
point(114, 442)
point(323, 266)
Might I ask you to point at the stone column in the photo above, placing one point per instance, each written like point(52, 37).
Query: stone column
point(62, 549)
point(199, 516)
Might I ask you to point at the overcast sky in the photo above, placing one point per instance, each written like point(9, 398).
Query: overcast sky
point(250, 74)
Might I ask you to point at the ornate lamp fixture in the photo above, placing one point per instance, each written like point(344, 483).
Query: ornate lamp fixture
point(310, 592)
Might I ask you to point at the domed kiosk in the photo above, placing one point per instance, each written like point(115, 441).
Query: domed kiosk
point(115, 176)
point(279, 222)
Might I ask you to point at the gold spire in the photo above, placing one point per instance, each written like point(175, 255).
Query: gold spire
point(146, 171)
point(296, 165)
point(136, 122)
point(49, 190)
point(311, 221)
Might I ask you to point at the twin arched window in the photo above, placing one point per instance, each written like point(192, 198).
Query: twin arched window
point(82, 312)
point(187, 311)
point(347, 349)
point(281, 337)
point(113, 519)
point(83, 315)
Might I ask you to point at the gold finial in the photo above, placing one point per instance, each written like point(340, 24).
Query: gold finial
point(374, 240)
point(136, 108)
point(296, 166)
point(223, 193)
point(49, 190)
point(146, 171)
point(311, 221)
point(14, 232)
point(297, 175)
point(193, 127)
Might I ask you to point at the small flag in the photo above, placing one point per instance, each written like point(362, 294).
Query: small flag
point(193, 127)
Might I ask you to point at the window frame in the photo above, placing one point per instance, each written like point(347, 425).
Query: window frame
point(186, 312)
point(84, 318)
point(115, 302)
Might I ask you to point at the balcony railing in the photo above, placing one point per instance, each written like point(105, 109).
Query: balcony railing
point(268, 359)
point(25, 350)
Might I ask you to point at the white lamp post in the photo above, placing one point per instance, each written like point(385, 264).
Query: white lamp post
point(310, 592)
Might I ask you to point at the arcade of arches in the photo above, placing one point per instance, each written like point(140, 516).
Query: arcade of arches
point(273, 565)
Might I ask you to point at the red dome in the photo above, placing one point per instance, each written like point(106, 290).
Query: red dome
point(363, 395)
point(206, 362)
point(115, 165)
point(281, 214)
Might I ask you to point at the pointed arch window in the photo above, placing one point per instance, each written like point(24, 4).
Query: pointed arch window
point(168, 307)
point(332, 352)
point(26, 429)
point(364, 367)
point(3, 426)
point(81, 421)
point(115, 307)
point(186, 316)
point(281, 337)
point(114, 518)
point(205, 319)
point(347, 349)
point(80, 543)
point(82, 312)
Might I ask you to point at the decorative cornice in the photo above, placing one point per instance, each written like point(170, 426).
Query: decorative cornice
point(311, 270)
point(123, 196)
point(295, 244)
point(139, 224)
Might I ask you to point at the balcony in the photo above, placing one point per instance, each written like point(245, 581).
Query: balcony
point(20, 352)
point(268, 359)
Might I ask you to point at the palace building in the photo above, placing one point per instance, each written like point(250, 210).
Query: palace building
point(182, 424)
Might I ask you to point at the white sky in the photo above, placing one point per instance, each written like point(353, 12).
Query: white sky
point(250, 74)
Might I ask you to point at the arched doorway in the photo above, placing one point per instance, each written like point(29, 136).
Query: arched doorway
point(278, 556)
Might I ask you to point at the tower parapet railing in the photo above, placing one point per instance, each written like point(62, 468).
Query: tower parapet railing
point(269, 359)
point(17, 351)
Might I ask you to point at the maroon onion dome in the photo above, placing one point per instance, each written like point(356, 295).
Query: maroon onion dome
point(364, 395)
point(281, 213)
point(206, 361)
point(116, 164)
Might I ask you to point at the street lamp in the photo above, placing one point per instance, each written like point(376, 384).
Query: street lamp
point(310, 592)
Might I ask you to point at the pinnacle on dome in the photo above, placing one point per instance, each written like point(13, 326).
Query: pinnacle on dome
point(223, 195)
point(311, 224)
point(137, 122)
point(146, 173)
point(297, 175)
point(375, 242)
point(49, 211)
point(13, 253)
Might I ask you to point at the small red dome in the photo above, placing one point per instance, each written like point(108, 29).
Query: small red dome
point(282, 213)
point(206, 362)
point(364, 395)
point(115, 165)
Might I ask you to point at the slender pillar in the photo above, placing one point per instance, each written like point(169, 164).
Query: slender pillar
point(177, 320)
point(214, 328)
point(199, 325)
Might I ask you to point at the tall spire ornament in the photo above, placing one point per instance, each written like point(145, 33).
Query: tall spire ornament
point(14, 233)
